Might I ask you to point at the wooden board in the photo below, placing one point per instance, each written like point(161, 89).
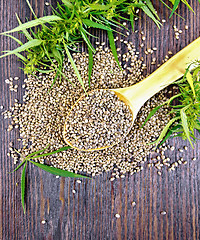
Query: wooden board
point(90, 212)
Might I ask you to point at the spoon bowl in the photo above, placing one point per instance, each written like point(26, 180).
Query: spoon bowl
point(135, 96)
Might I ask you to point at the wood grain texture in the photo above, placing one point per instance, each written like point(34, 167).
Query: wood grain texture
point(90, 212)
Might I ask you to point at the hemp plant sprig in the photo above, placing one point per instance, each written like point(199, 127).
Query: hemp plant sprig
point(186, 113)
point(50, 38)
point(50, 169)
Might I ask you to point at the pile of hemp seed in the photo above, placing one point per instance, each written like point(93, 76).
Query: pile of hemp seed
point(41, 116)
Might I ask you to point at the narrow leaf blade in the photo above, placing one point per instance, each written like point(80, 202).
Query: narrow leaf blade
point(29, 44)
point(87, 40)
point(90, 23)
point(37, 152)
point(150, 6)
point(176, 3)
point(67, 3)
point(165, 129)
point(90, 65)
point(113, 47)
point(147, 11)
point(25, 32)
point(31, 8)
point(48, 154)
point(74, 67)
point(23, 185)
point(190, 81)
point(185, 124)
point(14, 38)
point(35, 23)
point(153, 111)
point(56, 171)
point(19, 166)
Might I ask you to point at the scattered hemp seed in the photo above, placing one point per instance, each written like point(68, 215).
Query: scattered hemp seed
point(117, 215)
point(186, 27)
point(78, 181)
point(133, 204)
point(163, 213)
point(47, 3)
point(43, 221)
point(194, 159)
point(137, 11)
point(74, 191)
point(172, 148)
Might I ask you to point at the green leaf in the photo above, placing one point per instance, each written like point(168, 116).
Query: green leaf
point(44, 71)
point(153, 111)
point(167, 136)
point(90, 65)
point(21, 57)
point(14, 38)
point(100, 6)
point(48, 154)
point(37, 152)
point(165, 129)
point(74, 67)
point(150, 6)
point(173, 97)
point(176, 3)
point(190, 81)
point(90, 23)
point(150, 14)
point(20, 165)
point(23, 183)
point(31, 8)
point(35, 23)
point(56, 171)
point(67, 3)
point(29, 44)
point(132, 21)
point(86, 39)
point(57, 55)
point(171, 9)
point(188, 5)
point(185, 123)
point(54, 80)
point(18, 55)
point(197, 125)
point(25, 32)
point(113, 47)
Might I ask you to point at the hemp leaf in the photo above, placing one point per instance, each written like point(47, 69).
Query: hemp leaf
point(50, 169)
point(186, 115)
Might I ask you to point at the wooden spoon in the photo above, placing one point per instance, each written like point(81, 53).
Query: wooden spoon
point(136, 95)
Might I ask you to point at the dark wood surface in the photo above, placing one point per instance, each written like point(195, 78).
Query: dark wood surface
point(90, 212)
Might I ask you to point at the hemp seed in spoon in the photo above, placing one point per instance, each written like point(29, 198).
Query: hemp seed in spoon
point(98, 120)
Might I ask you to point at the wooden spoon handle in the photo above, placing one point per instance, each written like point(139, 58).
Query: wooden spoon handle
point(166, 74)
